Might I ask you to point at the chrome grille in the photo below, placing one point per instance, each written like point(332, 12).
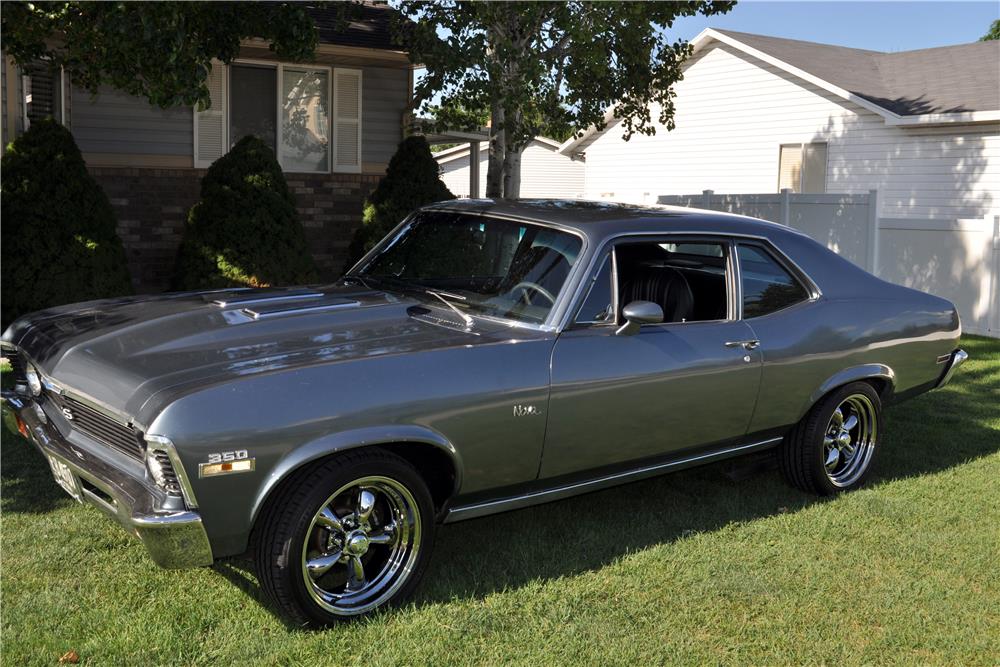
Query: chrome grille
point(99, 426)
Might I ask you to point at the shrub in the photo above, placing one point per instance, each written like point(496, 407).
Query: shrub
point(411, 181)
point(244, 231)
point(59, 238)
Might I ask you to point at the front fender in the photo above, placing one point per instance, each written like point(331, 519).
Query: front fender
point(848, 375)
point(353, 439)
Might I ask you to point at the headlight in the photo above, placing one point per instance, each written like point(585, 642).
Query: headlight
point(34, 381)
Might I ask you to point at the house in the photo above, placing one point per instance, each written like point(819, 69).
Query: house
point(545, 172)
point(334, 124)
point(759, 114)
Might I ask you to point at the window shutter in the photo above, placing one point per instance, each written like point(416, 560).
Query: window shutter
point(790, 168)
point(210, 125)
point(347, 120)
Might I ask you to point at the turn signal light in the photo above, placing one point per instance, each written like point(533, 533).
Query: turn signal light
point(213, 469)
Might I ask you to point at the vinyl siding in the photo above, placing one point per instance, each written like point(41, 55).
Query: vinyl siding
point(114, 122)
point(545, 173)
point(384, 95)
point(732, 114)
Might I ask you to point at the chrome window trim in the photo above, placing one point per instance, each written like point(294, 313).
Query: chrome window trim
point(164, 444)
point(577, 322)
point(732, 237)
point(793, 270)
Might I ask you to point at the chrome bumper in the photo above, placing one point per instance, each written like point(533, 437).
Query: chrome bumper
point(958, 357)
point(174, 537)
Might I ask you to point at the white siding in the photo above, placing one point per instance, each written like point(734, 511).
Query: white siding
point(545, 173)
point(733, 112)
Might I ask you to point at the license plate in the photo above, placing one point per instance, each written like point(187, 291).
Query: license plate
point(64, 477)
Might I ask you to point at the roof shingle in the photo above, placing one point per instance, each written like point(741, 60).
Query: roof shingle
point(947, 79)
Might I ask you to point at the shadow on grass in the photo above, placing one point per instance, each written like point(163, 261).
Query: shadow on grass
point(473, 559)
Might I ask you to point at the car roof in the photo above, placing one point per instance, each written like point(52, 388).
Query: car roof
point(598, 219)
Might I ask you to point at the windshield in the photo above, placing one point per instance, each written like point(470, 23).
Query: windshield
point(480, 265)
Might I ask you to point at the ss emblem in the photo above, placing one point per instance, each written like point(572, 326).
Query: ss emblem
point(67, 413)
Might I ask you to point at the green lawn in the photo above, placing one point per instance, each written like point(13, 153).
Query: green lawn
point(688, 568)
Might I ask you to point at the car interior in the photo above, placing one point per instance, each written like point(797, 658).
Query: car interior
point(687, 280)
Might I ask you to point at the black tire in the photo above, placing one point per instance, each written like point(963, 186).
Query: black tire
point(295, 514)
point(806, 455)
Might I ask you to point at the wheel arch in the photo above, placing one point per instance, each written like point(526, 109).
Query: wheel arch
point(425, 449)
point(880, 376)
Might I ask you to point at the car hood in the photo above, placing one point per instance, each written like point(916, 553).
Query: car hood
point(134, 355)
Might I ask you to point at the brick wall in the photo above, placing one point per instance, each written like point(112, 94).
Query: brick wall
point(152, 204)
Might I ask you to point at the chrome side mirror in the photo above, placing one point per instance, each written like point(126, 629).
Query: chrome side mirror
point(638, 313)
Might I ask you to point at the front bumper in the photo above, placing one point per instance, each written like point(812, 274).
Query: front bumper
point(174, 538)
point(958, 357)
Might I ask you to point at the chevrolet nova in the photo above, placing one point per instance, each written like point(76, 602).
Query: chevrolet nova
point(485, 356)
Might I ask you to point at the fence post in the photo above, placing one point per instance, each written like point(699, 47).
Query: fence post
point(993, 317)
point(706, 199)
point(786, 207)
point(873, 231)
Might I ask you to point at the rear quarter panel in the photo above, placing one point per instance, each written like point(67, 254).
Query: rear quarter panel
point(861, 326)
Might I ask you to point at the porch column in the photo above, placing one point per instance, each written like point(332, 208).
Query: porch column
point(474, 169)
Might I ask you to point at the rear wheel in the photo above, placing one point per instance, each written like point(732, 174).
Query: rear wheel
point(832, 449)
point(346, 538)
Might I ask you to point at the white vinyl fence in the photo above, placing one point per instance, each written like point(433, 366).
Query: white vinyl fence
point(955, 259)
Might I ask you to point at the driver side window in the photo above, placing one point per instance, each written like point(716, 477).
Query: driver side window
point(598, 307)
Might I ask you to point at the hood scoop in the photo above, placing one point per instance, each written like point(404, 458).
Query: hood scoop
point(262, 296)
point(282, 309)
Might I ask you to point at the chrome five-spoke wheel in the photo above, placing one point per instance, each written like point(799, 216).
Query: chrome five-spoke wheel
point(360, 545)
point(345, 537)
point(832, 448)
point(850, 440)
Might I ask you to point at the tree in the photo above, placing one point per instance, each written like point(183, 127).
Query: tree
point(992, 33)
point(410, 181)
point(559, 65)
point(59, 238)
point(245, 229)
point(158, 50)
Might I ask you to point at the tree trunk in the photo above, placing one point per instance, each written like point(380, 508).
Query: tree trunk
point(498, 145)
point(512, 174)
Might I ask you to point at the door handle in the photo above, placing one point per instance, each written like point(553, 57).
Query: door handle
point(745, 344)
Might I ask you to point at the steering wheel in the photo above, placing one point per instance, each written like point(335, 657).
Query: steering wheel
point(527, 285)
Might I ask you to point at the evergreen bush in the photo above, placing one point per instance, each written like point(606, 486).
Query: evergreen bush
point(411, 181)
point(59, 238)
point(245, 230)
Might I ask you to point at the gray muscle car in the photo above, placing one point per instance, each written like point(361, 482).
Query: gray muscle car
point(485, 356)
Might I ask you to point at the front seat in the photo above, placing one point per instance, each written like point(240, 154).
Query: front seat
point(664, 286)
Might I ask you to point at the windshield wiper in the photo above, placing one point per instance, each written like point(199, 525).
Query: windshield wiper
point(441, 295)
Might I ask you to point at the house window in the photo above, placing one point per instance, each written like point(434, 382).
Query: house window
point(309, 115)
point(252, 108)
point(802, 167)
point(43, 97)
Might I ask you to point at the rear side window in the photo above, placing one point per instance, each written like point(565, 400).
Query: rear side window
point(767, 285)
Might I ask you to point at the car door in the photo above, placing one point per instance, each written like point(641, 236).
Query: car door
point(671, 387)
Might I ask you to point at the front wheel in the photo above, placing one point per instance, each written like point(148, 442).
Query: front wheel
point(350, 536)
point(832, 449)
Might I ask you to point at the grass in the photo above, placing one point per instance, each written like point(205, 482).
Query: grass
point(690, 568)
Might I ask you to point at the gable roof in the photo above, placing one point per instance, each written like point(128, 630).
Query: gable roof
point(370, 26)
point(947, 79)
point(949, 84)
point(462, 150)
